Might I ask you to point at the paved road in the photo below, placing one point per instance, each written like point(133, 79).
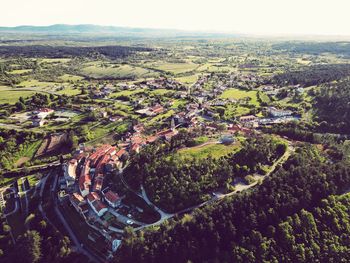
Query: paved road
point(73, 237)
point(43, 166)
point(217, 197)
point(42, 186)
point(25, 198)
point(16, 202)
point(123, 218)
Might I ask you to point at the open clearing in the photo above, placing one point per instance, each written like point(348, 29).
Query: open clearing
point(12, 95)
point(19, 71)
point(202, 151)
point(240, 94)
point(99, 71)
point(174, 68)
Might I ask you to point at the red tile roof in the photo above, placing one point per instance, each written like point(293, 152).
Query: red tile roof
point(98, 205)
point(111, 196)
point(93, 196)
point(157, 109)
point(121, 152)
point(151, 139)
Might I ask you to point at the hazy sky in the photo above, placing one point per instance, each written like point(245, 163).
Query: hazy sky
point(245, 16)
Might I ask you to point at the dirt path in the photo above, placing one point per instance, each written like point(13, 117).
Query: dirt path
point(21, 161)
point(201, 145)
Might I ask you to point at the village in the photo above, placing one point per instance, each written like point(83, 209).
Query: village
point(90, 188)
point(86, 183)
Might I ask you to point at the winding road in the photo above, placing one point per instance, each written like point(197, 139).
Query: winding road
point(217, 196)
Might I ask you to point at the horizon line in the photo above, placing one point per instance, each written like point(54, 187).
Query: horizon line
point(208, 31)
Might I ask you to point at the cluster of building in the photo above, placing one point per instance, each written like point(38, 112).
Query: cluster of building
point(274, 116)
point(38, 116)
point(151, 111)
point(133, 142)
point(84, 176)
point(162, 83)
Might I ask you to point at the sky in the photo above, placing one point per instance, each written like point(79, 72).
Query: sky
point(265, 17)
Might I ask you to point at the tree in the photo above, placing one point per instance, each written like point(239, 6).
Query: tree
point(29, 246)
point(20, 106)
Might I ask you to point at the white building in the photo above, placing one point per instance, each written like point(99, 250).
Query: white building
point(278, 113)
point(70, 172)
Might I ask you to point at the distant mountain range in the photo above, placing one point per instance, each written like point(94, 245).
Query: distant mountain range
point(106, 30)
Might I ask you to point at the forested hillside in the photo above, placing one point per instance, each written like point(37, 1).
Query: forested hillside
point(313, 75)
point(315, 48)
point(247, 227)
point(175, 183)
point(67, 52)
point(332, 106)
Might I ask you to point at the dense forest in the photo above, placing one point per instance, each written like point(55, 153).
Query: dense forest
point(262, 224)
point(315, 48)
point(333, 108)
point(36, 51)
point(313, 75)
point(175, 183)
point(41, 242)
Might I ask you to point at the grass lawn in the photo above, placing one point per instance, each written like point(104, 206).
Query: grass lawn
point(37, 84)
point(215, 150)
point(200, 140)
point(11, 96)
point(68, 77)
point(70, 91)
point(264, 97)
point(27, 153)
point(33, 179)
point(177, 103)
point(240, 94)
point(162, 116)
point(188, 79)
point(127, 92)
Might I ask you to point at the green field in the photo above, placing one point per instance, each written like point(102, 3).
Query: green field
point(240, 94)
point(99, 71)
point(12, 95)
point(188, 79)
point(37, 84)
point(55, 60)
point(127, 92)
point(215, 150)
point(161, 91)
point(174, 68)
point(68, 77)
point(68, 90)
point(162, 116)
point(19, 71)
